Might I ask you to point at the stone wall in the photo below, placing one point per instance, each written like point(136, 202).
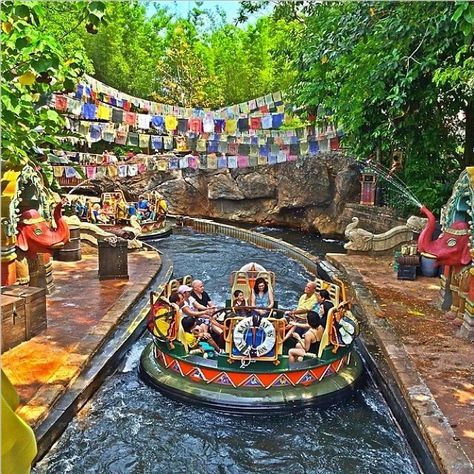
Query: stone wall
point(310, 193)
point(374, 219)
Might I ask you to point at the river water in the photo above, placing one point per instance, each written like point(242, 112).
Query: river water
point(128, 427)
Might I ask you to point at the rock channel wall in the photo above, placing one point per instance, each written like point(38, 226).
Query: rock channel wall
point(309, 194)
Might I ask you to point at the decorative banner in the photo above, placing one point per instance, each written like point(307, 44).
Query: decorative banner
point(94, 90)
point(236, 136)
point(232, 162)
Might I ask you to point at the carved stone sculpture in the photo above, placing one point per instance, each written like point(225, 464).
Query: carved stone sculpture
point(361, 240)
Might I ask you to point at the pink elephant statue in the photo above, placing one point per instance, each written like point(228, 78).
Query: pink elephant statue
point(36, 236)
point(451, 247)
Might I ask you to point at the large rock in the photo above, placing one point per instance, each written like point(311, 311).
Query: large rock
point(184, 197)
point(256, 185)
point(304, 185)
point(223, 186)
point(310, 193)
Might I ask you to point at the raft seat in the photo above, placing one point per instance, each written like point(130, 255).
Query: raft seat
point(241, 282)
point(187, 280)
point(173, 285)
point(326, 338)
point(269, 277)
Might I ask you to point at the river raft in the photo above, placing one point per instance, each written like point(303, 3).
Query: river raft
point(249, 379)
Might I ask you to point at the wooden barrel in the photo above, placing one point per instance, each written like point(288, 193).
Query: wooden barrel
point(48, 273)
point(71, 252)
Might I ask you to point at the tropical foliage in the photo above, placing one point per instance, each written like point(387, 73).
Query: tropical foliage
point(396, 76)
point(33, 64)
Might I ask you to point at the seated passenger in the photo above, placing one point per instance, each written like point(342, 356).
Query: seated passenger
point(310, 341)
point(98, 215)
point(76, 207)
point(122, 209)
point(202, 300)
point(202, 316)
point(161, 318)
point(142, 204)
point(261, 297)
point(194, 335)
point(323, 306)
point(107, 208)
point(87, 210)
point(297, 316)
point(94, 214)
point(239, 304)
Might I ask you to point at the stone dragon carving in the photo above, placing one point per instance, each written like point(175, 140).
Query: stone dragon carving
point(361, 240)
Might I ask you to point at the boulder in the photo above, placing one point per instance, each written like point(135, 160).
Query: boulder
point(310, 193)
point(256, 185)
point(223, 186)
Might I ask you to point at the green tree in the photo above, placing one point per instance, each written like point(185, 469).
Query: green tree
point(125, 52)
point(371, 67)
point(186, 75)
point(34, 64)
point(459, 74)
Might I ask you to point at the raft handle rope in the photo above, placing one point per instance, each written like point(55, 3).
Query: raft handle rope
point(245, 362)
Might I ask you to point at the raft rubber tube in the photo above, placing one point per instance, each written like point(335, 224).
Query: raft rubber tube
point(328, 391)
point(157, 234)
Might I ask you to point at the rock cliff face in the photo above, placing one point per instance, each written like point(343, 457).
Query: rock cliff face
point(308, 194)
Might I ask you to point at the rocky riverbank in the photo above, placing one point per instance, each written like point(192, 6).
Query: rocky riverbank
point(308, 194)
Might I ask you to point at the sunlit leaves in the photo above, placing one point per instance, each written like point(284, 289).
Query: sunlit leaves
point(34, 63)
point(392, 75)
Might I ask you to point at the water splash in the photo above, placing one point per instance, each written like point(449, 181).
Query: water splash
point(79, 185)
point(393, 180)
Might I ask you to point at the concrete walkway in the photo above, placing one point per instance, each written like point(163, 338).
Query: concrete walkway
point(433, 368)
point(82, 315)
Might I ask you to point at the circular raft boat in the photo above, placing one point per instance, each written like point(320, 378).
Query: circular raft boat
point(252, 372)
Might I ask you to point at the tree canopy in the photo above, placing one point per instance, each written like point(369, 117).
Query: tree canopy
point(397, 76)
point(35, 63)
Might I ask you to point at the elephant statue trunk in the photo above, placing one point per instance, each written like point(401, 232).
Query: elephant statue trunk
point(35, 235)
point(451, 247)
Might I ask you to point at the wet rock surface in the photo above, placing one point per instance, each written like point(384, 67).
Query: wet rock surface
point(310, 193)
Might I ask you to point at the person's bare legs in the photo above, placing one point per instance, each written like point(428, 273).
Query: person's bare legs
point(289, 333)
point(296, 352)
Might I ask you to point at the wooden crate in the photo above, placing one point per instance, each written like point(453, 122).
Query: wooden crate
point(13, 322)
point(406, 272)
point(35, 307)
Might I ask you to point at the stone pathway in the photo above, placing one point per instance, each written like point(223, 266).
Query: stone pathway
point(81, 313)
point(434, 367)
